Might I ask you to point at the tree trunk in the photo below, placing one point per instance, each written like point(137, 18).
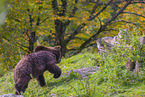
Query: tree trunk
point(32, 41)
point(60, 31)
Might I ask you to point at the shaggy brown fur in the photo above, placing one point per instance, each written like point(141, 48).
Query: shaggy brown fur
point(36, 64)
point(55, 50)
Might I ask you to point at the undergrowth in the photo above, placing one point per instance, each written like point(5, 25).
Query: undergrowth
point(112, 78)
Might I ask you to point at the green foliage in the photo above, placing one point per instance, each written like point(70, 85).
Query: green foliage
point(112, 78)
point(2, 11)
point(27, 16)
point(9, 56)
point(115, 77)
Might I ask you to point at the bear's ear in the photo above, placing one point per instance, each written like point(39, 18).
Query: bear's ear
point(57, 47)
point(39, 48)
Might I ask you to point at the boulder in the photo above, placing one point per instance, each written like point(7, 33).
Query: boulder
point(142, 40)
point(11, 95)
point(106, 43)
point(84, 72)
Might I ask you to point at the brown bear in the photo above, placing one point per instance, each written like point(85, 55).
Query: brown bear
point(35, 64)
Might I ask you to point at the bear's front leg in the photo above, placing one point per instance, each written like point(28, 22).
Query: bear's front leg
point(53, 68)
point(41, 80)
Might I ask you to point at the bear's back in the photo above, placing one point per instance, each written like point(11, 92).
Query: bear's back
point(35, 62)
point(36, 58)
point(42, 56)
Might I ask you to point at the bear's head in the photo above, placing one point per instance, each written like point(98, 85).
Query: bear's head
point(55, 50)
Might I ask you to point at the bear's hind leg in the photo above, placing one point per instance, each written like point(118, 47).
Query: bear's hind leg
point(24, 88)
point(18, 90)
point(22, 84)
point(41, 80)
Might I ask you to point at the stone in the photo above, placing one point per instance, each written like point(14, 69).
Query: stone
point(84, 72)
point(11, 95)
point(142, 40)
point(106, 44)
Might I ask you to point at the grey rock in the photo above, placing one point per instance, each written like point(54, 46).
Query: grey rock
point(106, 44)
point(11, 95)
point(142, 40)
point(84, 72)
point(123, 34)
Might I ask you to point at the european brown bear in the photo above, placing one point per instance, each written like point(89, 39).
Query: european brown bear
point(35, 64)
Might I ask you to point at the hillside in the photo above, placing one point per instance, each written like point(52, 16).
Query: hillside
point(113, 79)
point(101, 44)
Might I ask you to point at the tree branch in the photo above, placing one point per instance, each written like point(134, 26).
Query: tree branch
point(133, 2)
point(93, 37)
point(17, 20)
point(31, 20)
point(75, 33)
point(38, 21)
point(95, 7)
point(26, 31)
point(134, 14)
point(111, 30)
point(56, 9)
point(44, 20)
point(74, 11)
point(116, 15)
point(92, 44)
point(117, 1)
point(100, 21)
point(83, 24)
point(64, 7)
point(55, 6)
point(22, 45)
point(128, 22)
point(91, 18)
point(16, 43)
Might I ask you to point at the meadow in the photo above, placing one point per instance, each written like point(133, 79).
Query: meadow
point(112, 78)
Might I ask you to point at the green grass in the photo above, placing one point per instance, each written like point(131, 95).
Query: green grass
point(61, 85)
point(113, 79)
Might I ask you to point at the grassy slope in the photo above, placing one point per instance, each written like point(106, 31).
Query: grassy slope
point(111, 80)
